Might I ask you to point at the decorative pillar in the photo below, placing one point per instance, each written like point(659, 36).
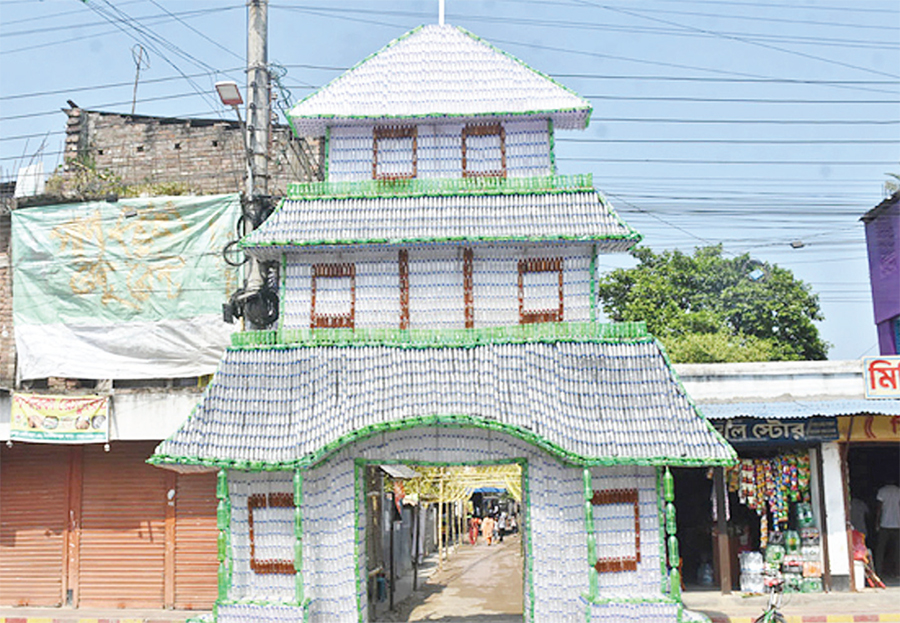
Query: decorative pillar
point(722, 544)
point(672, 539)
point(589, 528)
point(298, 537)
point(223, 522)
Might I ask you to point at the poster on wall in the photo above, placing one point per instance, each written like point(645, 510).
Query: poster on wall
point(59, 419)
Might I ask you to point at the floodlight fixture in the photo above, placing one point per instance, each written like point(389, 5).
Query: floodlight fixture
point(229, 93)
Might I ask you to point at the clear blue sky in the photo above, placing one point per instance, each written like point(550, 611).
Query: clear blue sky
point(751, 124)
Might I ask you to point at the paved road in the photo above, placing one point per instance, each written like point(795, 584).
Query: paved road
point(479, 583)
point(869, 605)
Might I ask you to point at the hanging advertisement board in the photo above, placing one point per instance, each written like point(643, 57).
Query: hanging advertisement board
point(59, 419)
point(131, 289)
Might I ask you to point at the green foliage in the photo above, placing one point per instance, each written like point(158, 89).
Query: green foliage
point(892, 185)
point(83, 180)
point(80, 180)
point(706, 308)
point(156, 189)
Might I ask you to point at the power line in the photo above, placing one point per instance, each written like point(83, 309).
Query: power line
point(733, 100)
point(747, 80)
point(150, 39)
point(729, 141)
point(636, 13)
point(751, 121)
point(161, 18)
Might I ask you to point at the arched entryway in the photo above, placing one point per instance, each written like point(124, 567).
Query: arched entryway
point(431, 551)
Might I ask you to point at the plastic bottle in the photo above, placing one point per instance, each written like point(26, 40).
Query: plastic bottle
point(668, 486)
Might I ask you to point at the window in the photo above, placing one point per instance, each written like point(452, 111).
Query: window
point(394, 153)
point(271, 522)
point(540, 290)
point(484, 150)
point(333, 301)
point(616, 517)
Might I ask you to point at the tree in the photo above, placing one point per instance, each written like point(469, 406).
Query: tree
point(706, 308)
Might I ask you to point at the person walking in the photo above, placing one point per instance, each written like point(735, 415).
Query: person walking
point(487, 527)
point(501, 526)
point(474, 525)
point(887, 525)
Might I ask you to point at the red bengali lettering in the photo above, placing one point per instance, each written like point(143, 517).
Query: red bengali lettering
point(883, 374)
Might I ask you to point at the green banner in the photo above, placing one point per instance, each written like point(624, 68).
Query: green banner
point(134, 260)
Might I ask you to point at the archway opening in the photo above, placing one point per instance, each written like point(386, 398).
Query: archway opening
point(446, 541)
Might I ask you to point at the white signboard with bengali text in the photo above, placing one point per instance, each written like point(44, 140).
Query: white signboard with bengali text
point(882, 376)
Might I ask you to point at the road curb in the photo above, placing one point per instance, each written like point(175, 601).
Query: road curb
point(816, 618)
point(76, 619)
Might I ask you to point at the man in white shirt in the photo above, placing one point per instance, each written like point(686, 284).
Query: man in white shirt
point(887, 523)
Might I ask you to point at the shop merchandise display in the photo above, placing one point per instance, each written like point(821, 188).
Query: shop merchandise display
point(789, 541)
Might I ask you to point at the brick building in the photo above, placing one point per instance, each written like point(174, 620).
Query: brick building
point(205, 155)
point(108, 530)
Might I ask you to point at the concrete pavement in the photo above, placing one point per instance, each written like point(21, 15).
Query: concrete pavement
point(869, 605)
point(484, 585)
point(480, 584)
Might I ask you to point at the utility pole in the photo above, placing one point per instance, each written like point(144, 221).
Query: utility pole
point(258, 120)
point(258, 112)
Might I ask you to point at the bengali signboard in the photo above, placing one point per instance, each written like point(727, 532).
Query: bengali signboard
point(777, 431)
point(872, 428)
point(882, 376)
point(59, 419)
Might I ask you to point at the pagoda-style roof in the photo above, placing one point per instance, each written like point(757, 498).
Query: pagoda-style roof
point(553, 209)
point(588, 394)
point(438, 71)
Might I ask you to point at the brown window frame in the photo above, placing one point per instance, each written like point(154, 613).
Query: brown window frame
point(621, 563)
point(395, 132)
point(403, 269)
point(333, 321)
point(468, 286)
point(272, 500)
point(540, 265)
point(484, 129)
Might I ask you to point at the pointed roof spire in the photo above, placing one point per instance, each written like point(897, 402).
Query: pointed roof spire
point(439, 71)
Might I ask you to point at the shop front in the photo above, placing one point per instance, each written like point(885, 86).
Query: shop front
point(870, 461)
point(765, 516)
point(86, 522)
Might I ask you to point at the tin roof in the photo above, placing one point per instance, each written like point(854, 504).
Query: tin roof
point(438, 71)
point(799, 409)
point(588, 394)
point(348, 219)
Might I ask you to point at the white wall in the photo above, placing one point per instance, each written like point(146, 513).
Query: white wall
point(832, 484)
point(134, 415)
point(436, 293)
point(439, 150)
point(771, 380)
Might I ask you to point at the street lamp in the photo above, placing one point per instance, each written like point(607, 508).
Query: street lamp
point(230, 95)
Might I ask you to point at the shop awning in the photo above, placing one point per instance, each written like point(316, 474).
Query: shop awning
point(800, 409)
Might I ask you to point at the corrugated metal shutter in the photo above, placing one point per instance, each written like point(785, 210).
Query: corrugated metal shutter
point(196, 535)
point(122, 528)
point(33, 509)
